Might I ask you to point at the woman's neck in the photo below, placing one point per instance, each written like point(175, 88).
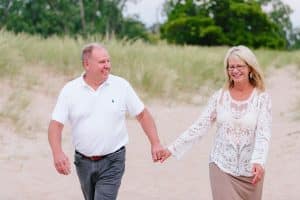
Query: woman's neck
point(240, 87)
point(241, 92)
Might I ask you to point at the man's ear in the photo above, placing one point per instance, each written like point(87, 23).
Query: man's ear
point(85, 63)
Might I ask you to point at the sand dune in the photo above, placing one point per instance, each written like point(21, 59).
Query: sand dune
point(27, 172)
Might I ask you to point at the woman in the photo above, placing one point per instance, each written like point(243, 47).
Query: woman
point(242, 112)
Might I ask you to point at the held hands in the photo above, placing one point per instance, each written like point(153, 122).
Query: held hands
point(159, 153)
point(258, 173)
point(61, 163)
point(166, 155)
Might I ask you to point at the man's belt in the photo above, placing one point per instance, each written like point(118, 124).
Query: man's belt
point(97, 158)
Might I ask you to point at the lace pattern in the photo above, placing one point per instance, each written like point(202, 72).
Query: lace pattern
point(242, 136)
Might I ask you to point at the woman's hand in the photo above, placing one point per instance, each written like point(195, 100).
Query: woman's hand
point(165, 155)
point(258, 173)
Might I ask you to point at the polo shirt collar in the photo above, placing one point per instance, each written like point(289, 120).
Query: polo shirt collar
point(83, 83)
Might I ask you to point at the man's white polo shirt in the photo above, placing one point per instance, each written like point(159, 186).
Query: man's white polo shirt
point(97, 118)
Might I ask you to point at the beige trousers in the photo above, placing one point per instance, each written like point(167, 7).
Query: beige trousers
point(228, 187)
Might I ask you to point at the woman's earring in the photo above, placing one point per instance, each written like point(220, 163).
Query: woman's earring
point(250, 75)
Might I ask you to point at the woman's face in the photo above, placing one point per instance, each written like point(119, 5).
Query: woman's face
point(238, 70)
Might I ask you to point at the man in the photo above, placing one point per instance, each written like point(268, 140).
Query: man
point(95, 104)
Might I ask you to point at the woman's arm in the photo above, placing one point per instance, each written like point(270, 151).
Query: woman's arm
point(263, 131)
point(262, 138)
point(194, 133)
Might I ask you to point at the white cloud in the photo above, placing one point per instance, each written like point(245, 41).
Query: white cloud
point(295, 16)
point(149, 11)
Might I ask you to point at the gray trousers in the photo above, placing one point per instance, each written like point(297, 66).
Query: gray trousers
point(100, 180)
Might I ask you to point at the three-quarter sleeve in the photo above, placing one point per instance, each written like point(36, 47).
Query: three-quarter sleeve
point(194, 133)
point(263, 131)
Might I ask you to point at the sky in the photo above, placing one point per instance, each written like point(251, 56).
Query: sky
point(149, 11)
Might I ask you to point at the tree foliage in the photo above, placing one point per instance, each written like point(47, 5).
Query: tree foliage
point(280, 15)
point(228, 22)
point(70, 17)
point(193, 30)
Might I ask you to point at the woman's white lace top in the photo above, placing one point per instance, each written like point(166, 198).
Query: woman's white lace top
point(243, 131)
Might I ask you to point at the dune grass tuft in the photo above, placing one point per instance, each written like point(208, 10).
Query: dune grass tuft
point(159, 70)
point(156, 71)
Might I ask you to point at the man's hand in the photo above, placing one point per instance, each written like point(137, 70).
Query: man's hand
point(258, 173)
point(166, 155)
point(61, 161)
point(148, 125)
point(160, 154)
point(157, 152)
point(62, 164)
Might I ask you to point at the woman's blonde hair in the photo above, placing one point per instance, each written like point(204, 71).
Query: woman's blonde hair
point(246, 55)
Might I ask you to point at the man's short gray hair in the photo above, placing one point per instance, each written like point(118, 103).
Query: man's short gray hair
point(87, 50)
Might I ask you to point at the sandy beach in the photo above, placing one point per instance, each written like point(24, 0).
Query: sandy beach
point(27, 171)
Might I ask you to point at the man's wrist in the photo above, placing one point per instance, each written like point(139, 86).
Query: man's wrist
point(155, 143)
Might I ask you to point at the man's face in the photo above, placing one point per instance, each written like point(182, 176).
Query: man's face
point(98, 65)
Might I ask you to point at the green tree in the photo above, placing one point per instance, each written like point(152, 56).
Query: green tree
point(280, 15)
point(42, 17)
point(133, 29)
point(231, 22)
point(193, 30)
point(39, 16)
point(70, 17)
point(246, 23)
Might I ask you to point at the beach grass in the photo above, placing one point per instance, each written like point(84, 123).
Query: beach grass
point(156, 71)
point(159, 70)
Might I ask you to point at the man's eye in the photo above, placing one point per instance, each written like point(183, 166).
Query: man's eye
point(104, 61)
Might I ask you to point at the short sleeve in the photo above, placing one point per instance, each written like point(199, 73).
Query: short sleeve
point(134, 104)
point(60, 112)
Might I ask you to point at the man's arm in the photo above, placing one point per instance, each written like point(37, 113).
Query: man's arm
point(148, 125)
point(61, 161)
